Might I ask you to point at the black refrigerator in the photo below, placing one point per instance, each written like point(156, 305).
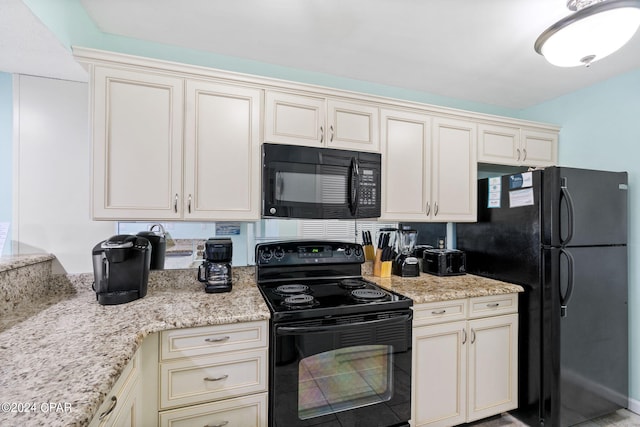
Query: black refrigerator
point(561, 233)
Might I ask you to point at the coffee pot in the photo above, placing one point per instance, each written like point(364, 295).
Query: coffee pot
point(215, 270)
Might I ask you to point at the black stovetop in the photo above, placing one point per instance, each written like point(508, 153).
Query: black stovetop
point(298, 284)
point(326, 298)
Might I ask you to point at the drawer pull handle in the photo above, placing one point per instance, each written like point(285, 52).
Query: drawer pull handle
point(220, 378)
point(114, 402)
point(492, 305)
point(439, 312)
point(221, 339)
point(222, 424)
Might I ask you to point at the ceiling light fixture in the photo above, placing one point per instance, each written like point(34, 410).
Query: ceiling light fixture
point(597, 29)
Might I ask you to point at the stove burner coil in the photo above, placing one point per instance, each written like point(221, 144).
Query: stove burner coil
point(368, 294)
point(299, 300)
point(352, 284)
point(292, 289)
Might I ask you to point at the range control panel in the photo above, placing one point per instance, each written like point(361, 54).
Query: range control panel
point(294, 253)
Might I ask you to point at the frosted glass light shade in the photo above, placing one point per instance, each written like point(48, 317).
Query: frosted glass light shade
point(590, 34)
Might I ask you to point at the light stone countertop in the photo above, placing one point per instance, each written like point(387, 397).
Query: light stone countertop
point(73, 351)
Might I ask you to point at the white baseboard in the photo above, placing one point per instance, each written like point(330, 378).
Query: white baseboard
point(634, 406)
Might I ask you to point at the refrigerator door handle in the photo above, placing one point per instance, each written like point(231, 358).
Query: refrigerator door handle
point(564, 299)
point(566, 195)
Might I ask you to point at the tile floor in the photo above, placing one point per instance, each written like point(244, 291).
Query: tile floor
point(621, 418)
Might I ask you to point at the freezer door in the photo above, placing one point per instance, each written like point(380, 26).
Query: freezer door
point(585, 328)
point(584, 207)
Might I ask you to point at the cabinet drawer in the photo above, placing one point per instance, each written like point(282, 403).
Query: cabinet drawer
point(243, 411)
point(178, 343)
point(438, 312)
point(197, 380)
point(493, 305)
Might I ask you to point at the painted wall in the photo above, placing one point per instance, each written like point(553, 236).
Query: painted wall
point(6, 129)
point(600, 131)
point(52, 198)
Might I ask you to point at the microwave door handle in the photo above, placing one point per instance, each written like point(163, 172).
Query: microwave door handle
point(354, 186)
point(279, 187)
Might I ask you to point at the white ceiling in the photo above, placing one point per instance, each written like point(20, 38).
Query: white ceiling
point(474, 50)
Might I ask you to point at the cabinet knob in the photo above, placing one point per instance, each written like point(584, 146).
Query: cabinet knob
point(321, 134)
point(524, 154)
point(518, 152)
point(331, 134)
point(428, 208)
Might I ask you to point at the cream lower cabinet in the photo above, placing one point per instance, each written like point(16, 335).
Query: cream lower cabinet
point(316, 121)
point(123, 405)
point(215, 375)
point(506, 145)
point(143, 125)
point(465, 360)
point(429, 167)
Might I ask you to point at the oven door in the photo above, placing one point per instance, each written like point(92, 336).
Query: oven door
point(349, 371)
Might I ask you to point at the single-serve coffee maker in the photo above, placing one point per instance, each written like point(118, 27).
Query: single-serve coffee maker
point(406, 264)
point(121, 269)
point(215, 270)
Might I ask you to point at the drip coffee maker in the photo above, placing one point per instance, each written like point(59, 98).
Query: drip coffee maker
point(406, 264)
point(215, 271)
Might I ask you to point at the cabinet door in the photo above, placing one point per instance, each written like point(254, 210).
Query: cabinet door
point(406, 156)
point(294, 119)
point(439, 374)
point(222, 152)
point(129, 409)
point(454, 171)
point(493, 366)
point(137, 145)
point(498, 144)
point(539, 148)
point(353, 126)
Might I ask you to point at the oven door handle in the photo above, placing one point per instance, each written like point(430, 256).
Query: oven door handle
point(298, 330)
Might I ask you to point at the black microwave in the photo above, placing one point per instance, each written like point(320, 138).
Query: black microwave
point(319, 183)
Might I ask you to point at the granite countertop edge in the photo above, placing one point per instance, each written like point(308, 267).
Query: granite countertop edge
point(73, 351)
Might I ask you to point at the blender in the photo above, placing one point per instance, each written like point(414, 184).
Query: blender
point(406, 264)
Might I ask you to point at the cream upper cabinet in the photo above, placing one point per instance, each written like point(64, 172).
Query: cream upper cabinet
point(222, 152)
point(137, 145)
point(167, 148)
point(321, 122)
point(514, 146)
point(406, 157)
point(429, 168)
point(455, 171)
point(540, 148)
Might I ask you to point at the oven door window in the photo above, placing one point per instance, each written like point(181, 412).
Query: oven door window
point(344, 379)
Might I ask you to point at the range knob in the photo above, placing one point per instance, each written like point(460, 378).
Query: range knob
point(358, 251)
point(347, 251)
point(278, 253)
point(266, 254)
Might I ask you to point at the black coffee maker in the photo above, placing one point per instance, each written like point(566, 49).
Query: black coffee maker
point(121, 269)
point(215, 270)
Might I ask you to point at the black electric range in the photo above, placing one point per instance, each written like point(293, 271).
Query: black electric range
point(339, 345)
